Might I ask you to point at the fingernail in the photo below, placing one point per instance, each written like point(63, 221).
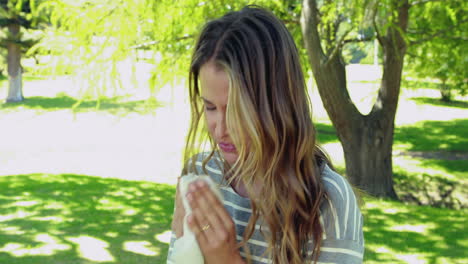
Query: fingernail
point(189, 196)
point(201, 183)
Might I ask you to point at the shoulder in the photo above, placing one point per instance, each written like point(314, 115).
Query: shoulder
point(342, 221)
point(340, 210)
point(337, 187)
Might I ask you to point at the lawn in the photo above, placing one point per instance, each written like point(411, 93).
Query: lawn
point(96, 185)
point(67, 218)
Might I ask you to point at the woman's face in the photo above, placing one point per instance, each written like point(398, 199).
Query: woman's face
point(214, 84)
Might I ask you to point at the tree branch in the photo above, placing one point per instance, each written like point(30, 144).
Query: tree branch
point(338, 46)
point(291, 21)
point(156, 42)
point(378, 35)
point(309, 23)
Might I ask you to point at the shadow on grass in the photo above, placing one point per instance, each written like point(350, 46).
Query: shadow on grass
point(438, 102)
point(417, 84)
point(114, 105)
point(326, 133)
point(429, 189)
point(81, 219)
point(434, 136)
point(397, 233)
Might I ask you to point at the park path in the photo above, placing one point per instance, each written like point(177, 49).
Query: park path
point(134, 147)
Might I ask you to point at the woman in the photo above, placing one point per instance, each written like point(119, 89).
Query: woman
point(282, 201)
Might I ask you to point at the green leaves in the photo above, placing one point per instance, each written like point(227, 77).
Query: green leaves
point(438, 50)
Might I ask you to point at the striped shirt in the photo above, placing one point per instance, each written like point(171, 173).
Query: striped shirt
point(341, 219)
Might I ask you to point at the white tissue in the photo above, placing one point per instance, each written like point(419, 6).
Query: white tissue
point(186, 249)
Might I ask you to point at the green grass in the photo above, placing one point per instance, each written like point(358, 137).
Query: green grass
point(398, 233)
point(326, 133)
point(114, 105)
point(81, 219)
point(433, 136)
point(438, 102)
point(421, 136)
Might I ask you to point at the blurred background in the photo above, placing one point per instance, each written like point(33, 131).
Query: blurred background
point(94, 113)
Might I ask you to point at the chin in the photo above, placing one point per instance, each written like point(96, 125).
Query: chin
point(230, 157)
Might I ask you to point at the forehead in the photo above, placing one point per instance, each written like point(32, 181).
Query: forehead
point(214, 83)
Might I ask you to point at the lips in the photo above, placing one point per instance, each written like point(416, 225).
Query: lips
point(226, 147)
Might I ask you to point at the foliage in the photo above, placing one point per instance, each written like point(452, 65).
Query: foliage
point(26, 14)
point(162, 33)
point(91, 38)
point(438, 49)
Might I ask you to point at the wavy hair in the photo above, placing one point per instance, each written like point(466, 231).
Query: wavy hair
point(269, 120)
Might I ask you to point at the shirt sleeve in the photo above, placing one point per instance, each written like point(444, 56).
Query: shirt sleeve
point(342, 222)
point(171, 245)
point(341, 252)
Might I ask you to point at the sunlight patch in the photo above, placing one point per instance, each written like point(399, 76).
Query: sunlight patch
point(112, 234)
point(411, 258)
point(25, 203)
point(382, 250)
point(140, 229)
point(335, 150)
point(395, 210)
point(141, 247)
point(130, 212)
point(164, 237)
point(116, 205)
point(421, 228)
point(91, 248)
point(12, 230)
point(20, 214)
point(56, 219)
point(49, 247)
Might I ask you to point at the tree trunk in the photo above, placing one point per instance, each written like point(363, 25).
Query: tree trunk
point(445, 92)
point(368, 157)
point(366, 140)
point(15, 82)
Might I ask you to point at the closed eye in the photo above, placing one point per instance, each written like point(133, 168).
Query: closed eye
point(210, 108)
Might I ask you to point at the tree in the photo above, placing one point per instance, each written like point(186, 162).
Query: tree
point(366, 139)
point(437, 45)
point(14, 15)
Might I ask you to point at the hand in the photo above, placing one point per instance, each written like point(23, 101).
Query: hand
point(212, 225)
point(179, 214)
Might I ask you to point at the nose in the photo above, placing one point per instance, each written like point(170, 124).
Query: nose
point(221, 129)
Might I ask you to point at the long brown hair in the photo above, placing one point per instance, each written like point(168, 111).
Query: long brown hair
point(269, 120)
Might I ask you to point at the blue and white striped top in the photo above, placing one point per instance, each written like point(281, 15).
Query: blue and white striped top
point(343, 240)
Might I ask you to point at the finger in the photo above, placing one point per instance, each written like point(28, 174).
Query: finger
point(208, 221)
point(209, 210)
point(194, 225)
point(214, 205)
point(210, 206)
